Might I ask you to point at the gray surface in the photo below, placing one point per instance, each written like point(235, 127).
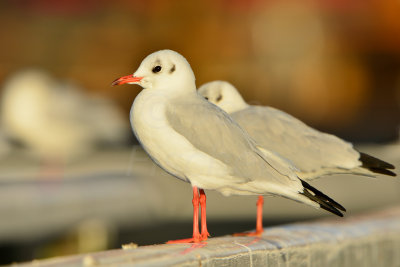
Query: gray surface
point(368, 240)
point(124, 188)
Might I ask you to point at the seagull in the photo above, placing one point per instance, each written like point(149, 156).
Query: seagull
point(199, 143)
point(56, 121)
point(313, 152)
point(5, 145)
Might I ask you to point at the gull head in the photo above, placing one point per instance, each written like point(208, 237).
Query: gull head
point(162, 70)
point(224, 95)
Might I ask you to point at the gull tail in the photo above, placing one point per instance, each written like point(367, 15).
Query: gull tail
point(323, 200)
point(376, 165)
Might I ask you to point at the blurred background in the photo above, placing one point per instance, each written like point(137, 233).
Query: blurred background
point(72, 177)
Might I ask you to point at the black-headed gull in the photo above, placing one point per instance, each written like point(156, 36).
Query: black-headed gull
point(314, 153)
point(199, 143)
point(55, 120)
point(5, 145)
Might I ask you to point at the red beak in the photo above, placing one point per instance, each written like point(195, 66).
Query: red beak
point(127, 79)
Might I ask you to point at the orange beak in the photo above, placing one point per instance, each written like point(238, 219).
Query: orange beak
point(127, 79)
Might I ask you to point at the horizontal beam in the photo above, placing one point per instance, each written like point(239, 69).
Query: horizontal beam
point(364, 240)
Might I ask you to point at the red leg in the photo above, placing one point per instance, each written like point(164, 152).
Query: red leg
point(196, 234)
point(51, 169)
point(259, 227)
point(204, 231)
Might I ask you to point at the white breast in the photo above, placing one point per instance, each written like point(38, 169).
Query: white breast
point(151, 128)
point(169, 149)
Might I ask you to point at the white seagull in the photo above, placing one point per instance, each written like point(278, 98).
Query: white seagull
point(55, 120)
point(313, 152)
point(199, 143)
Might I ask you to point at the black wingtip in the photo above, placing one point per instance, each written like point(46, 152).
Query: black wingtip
point(323, 205)
point(334, 211)
point(376, 165)
point(322, 196)
point(383, 171)
point(372, 162)
point(323, 200)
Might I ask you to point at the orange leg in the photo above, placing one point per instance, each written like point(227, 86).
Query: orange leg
point(204, 231)
point(196, 234)
point(259, 226)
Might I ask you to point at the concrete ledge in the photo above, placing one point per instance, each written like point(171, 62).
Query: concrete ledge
point(364, 240)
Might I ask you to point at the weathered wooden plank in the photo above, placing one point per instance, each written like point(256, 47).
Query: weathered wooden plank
point(365, 240)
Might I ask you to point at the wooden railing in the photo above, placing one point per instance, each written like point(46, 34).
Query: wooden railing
point(364, 240)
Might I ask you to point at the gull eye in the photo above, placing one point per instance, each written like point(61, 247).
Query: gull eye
point(206, 98)
point(156, 69)
point(219, 98)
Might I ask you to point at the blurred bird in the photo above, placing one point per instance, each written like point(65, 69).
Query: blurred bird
point(5, 146)
point(199, 143)
point(56, 121)
point(314, 153)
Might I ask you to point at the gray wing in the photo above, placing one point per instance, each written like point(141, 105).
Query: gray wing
point(308, 149)
point(213, 132)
